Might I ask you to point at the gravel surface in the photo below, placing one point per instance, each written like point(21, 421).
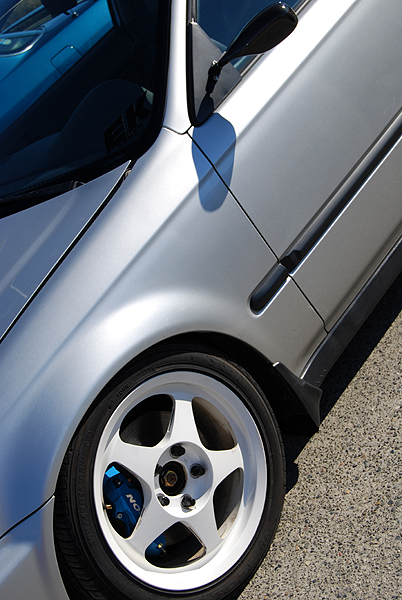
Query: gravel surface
point(340, 535)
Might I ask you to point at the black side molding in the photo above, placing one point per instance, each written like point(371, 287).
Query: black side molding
point(268, 288)
point(348, 188)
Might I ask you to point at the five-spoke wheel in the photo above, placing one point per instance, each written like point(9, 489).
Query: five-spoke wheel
point(181, 482)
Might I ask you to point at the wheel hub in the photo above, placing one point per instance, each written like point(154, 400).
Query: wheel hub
point(172, 479)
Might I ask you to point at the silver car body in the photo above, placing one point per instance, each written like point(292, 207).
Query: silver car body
point(186, 240)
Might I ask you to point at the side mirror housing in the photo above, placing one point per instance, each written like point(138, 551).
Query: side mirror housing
point(265, 31)
point(207, 87)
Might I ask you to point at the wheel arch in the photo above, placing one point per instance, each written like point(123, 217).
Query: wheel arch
point(295, 410)
point(281, 388)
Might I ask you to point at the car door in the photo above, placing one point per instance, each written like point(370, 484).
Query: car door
point(314, 159)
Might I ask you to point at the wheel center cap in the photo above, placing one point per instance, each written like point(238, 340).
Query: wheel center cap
point(169, 479)
point(172, 479)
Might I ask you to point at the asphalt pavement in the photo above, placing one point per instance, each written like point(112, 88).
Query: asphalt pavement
point(340, 535)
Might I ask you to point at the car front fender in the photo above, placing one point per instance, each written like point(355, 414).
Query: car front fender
point(155, 264)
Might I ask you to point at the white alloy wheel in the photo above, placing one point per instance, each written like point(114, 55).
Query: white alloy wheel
point(202, 409)
point(178, 476)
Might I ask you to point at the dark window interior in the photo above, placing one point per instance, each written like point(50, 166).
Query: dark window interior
point(85, 96)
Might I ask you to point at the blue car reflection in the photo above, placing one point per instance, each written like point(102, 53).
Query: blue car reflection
point(40, 42)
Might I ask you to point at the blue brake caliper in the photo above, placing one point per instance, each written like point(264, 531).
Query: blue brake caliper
point(126, 505)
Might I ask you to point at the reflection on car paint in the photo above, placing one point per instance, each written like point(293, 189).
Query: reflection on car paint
point(47, 47)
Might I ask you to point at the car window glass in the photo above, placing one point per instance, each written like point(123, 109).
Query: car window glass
point(30, 15)
point(80, 85)
point(222, 20)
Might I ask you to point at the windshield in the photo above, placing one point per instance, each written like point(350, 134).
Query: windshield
point(81, 87)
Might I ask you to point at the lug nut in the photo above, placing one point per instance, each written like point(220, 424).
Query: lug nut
point(164, 500)
point(177, 451)
point(187, 501)
point(197, 471)
point(169, 479)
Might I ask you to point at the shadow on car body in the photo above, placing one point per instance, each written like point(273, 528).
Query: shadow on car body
point(225, 137)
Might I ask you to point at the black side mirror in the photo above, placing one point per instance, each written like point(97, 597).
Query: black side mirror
point(208, 82)
point(265, 31)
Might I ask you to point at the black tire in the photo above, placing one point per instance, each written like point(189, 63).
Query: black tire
point(206, 428)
